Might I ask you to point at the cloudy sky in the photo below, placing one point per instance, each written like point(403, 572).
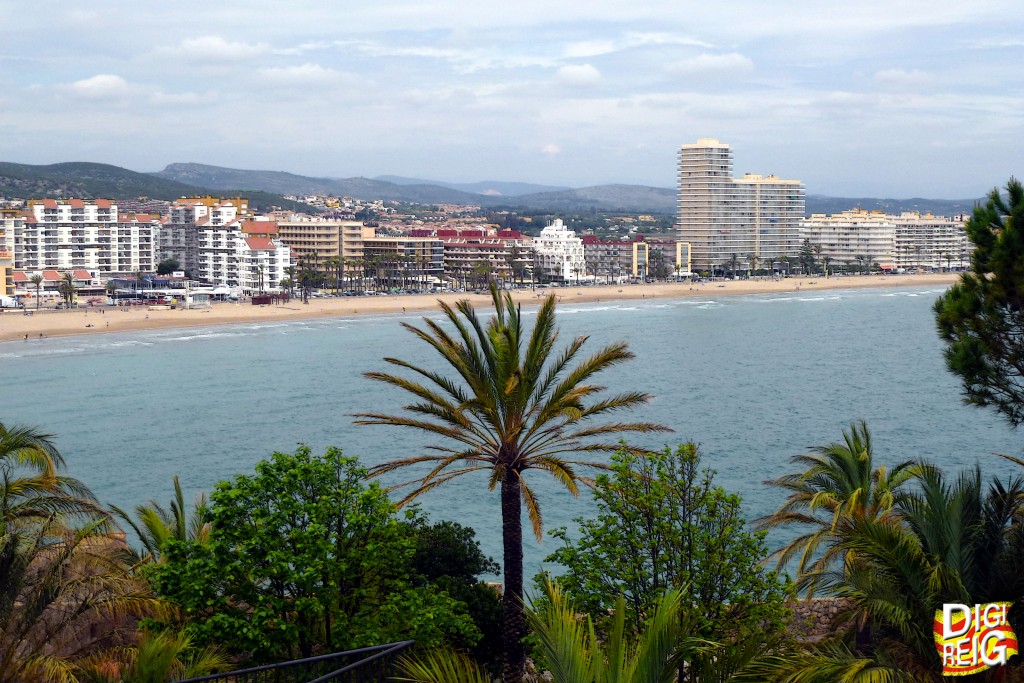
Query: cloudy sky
point(873, 98)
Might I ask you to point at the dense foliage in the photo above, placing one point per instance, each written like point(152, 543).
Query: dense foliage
point(981, 318)
point(306, 557)
point(663, 524)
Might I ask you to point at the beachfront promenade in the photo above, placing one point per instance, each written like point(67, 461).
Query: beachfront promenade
point(16, 325)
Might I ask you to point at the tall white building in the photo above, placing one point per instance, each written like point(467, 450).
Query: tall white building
point(74, 234)
point(219, 242)
point(909, 241)
point(559, 253)
point(725, 218)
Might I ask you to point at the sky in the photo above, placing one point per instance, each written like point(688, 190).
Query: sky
point(873, 98)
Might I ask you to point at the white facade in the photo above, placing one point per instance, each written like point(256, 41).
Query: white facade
point(74, 234)
point(908, 241)
point(559, 253)
point(218, 242)
point(724, 217)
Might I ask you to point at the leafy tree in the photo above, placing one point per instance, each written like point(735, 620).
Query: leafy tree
point(168, 266)
point(807, 256)
point(981, 318)
point(839, 481)
point(304, 557)
point(449, 557)
point(663, 524)
point(511, 406)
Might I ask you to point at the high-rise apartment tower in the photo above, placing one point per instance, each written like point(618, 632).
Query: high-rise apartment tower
point(735, 223)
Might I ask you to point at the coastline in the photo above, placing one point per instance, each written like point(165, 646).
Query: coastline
point(16, 325)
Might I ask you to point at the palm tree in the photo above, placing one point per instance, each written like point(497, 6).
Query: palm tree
point(37, 280)
point(159, 657)
point(63, 583)
point(839, 482)
point(67, 287)
point(156, 525)
point(575, 653)
point(952, 542)
point(512, 406)
point(30, 486)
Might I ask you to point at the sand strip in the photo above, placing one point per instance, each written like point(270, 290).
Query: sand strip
point(16, 325)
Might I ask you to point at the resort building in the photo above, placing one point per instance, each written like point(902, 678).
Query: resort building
point(908, 241)
point(416, 262)
point(723, 218)
point(482, 254)
point(74, 234)
point(315, 242)
point(219, 242)
point(559, 253)
point(618, 260)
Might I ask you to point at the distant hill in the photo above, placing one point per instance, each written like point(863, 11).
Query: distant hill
point(817, 203)
point(495, 188)
point(603, 197)
point(88, 180)
point(263, 188)
point(288, 183)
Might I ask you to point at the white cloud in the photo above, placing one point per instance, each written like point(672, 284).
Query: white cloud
point(551, 149)
point(218, 49)
point(597, 48)
point(101, 85)
point(720, 65)
point(579, 75)
point(305, 73)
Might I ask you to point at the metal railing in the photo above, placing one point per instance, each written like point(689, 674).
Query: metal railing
point(366, 665)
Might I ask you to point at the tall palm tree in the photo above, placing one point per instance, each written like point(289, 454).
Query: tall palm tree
point(839, 482)
point(511, 406)
point(67, 287)
point(37, 280)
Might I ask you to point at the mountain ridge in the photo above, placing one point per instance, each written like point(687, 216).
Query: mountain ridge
point(89, 180)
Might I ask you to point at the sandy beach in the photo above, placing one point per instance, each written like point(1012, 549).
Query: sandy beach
point(15, 325)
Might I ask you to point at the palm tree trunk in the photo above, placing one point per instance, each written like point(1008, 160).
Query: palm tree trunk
point(513, 619)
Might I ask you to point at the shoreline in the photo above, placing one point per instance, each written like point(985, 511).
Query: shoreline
point(17, 325)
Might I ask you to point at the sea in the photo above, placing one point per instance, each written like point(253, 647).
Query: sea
point(753, 379)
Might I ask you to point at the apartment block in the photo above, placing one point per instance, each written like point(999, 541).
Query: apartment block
point(722, 217)
point(315, 242)
point(219, 242)
point(472, 253)
point(411, 261)
point(908, 241)
point(63, 235)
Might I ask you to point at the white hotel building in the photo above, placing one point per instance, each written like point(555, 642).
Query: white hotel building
point(724, 217)
point(220, 243)
point(559, 253)
point(908, 241)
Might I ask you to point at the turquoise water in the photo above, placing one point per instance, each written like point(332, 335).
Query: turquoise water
point(754, 379)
